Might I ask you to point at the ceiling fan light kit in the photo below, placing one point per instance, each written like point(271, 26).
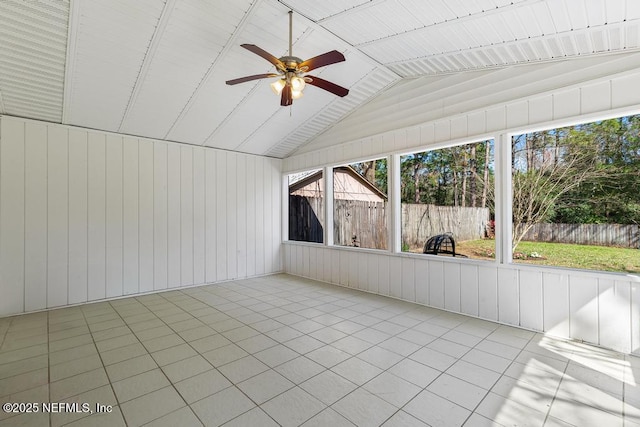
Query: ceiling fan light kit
point(291, 69)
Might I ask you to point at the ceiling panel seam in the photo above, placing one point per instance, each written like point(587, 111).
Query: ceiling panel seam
point(365, 56)
point(148, 58)
point(354, 9)
point(223, 53)
point(69, 68)
point(458, 20)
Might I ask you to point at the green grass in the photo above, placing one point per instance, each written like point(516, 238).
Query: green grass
point(563, 255)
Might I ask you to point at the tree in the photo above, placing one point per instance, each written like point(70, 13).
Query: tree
point(544, 170)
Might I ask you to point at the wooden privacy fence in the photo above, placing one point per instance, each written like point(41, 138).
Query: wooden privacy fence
point(364, 224)
point(621, 235)
point(360, 223)
point(419, 222)
point(306, 222)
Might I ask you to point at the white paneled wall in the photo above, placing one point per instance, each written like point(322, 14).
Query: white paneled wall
point(87, 215)
point(595, 307)
point(598, 308)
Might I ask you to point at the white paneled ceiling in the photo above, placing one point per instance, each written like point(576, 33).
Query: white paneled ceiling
point(157, 68)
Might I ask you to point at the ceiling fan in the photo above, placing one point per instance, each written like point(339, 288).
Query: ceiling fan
point(291, 71)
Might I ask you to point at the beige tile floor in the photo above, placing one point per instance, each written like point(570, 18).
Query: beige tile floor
point(280, 350)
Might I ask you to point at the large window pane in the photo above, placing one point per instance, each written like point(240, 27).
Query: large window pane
point(360, 204)
point(447, 200)
point(575, 196)
point(306, 206)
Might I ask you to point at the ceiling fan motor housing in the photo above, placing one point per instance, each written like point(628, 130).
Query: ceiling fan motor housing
point(291, 63)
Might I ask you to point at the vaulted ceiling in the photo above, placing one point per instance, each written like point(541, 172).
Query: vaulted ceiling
point(157, 68)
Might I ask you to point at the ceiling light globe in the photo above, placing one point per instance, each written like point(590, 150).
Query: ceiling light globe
point(277, 86)
point(297, 84)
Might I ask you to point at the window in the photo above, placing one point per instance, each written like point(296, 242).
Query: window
point(306, 206)
point(360, 204)
point(575, 196)
point(447, 198)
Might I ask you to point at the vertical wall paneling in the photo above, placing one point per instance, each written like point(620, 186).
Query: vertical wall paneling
point(395, 277)
point(318, 259)
point(621, 96)
point(313, 262)
point(297, 259)
point(35, 217)
point(422, 281)
point(130, 215)
point(555, 293)
point(476, 123)
point(232, 219)
point(186, 215)
point(566, 103)
point(336, 270)
point(353, 269)
point(531, 300)
point(267, 203)
point(241, 205)
point(517, 114)
point(78, 220)
point(114, 223)
point(452, 286)
point(343, 262)
point(363, 274)
point(305, 261)
point(12, 216)
point(408, 279)
point(199, 230)
point(221, 214)
point(174, 222)
point(541, 109)
point(488, 292)
point(595, 97)
point(287, 258)
point(508, 296)
point(275, 215)
point(459, 127)
point(383, 274)
point(293, 254)
point(145, 215)
point(583, 305)
point(614, 314)
point(97, 220)
point(258, 200)
point(160, 216)
point(57, 216)
point(373, 279)
point(469, 289)
point(87, 215)
point(251, 210)
point(436, 283)
point(210, 215)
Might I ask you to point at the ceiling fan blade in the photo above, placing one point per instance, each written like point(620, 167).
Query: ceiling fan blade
point(286, 98)
point(327, 85)
point(249, 78)
point(322, 60)
point(266, 55)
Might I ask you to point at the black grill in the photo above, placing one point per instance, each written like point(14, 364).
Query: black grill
point(440, 244)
